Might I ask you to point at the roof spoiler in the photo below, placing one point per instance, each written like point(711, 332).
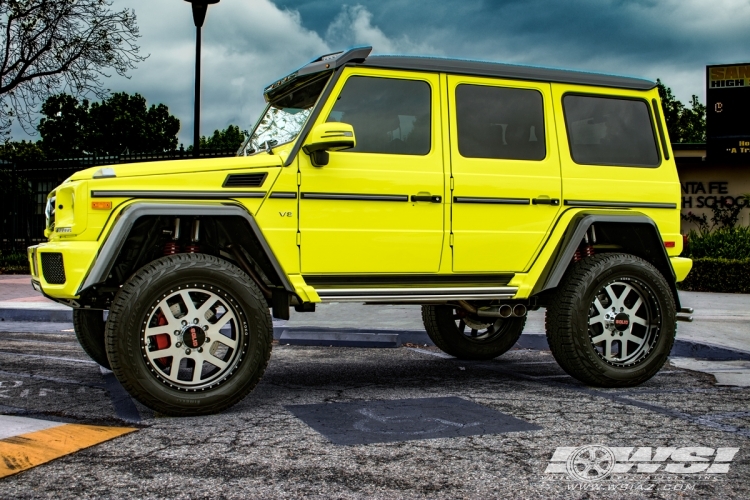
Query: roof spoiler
point(322, 63)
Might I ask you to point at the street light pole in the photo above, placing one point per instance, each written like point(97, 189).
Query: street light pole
point(200, 8)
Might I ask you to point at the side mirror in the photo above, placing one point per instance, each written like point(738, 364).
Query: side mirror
point(333, 136)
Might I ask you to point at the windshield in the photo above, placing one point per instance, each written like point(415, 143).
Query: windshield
point(284, 117)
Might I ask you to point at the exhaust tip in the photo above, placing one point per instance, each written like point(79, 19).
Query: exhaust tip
point(519, 310)
point(505, 311)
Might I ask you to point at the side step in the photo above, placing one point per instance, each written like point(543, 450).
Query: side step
point(416, 295)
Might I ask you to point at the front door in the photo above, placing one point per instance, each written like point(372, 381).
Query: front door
point(377, 208)
point(506, 172)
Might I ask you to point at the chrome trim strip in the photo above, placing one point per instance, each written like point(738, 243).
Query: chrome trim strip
point(355, 197)
point(618, 204)
point(202, 195)
point(416, 291)
point(491, 201)
point(284, 194)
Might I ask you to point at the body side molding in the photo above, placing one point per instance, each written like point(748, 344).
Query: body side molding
point(130, 214)
point(196, 195)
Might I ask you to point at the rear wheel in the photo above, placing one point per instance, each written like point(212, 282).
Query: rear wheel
point(89, 328)
point(612, 321)
point(465, 336)
point(189, 334)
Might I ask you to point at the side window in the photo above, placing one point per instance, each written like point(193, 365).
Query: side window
point(502, 123)
point(388, 115)
point(607, 131)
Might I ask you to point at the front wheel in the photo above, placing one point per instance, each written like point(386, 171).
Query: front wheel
point(89, 328)
point(189, 334)
point(612, 321)
point(465, 336)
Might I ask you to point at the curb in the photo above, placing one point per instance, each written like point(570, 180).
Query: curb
point(352, 337)
point(37, 315)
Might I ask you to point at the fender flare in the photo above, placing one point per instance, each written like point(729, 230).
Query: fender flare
point(648, 245)
point(125, 220)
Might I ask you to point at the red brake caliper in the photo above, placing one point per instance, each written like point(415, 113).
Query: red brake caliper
point(162, 340)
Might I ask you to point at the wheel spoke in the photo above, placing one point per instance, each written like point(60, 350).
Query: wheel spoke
point(227, 341)
point(461, 326)
point(217, 362)
point(639, 321)
point(636, 306)
point(223, 321)
point(601, 338)
point(197, 370)
point(608, 348)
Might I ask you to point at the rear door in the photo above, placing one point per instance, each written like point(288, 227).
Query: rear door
point(505, 172)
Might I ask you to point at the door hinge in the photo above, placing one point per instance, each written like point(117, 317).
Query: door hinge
point(451, 239)
point(299, 178)
point(299, 239)
point(452, 184)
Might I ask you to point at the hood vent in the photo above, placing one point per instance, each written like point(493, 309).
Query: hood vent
point(245, 180)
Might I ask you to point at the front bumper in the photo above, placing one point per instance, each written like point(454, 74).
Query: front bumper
point(58, 268)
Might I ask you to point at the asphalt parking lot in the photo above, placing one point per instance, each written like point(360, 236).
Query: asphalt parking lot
point(372, 439)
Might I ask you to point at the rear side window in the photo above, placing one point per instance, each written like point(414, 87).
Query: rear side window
point(389, 116)
point(606, 131)
point(501, 123)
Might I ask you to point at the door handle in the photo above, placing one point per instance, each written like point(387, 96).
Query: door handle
point(546, 201)
point(426, 197)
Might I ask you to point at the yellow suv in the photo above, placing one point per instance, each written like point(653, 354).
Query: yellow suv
point(478, 190)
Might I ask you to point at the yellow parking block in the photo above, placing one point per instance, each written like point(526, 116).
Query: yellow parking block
point(23, 452)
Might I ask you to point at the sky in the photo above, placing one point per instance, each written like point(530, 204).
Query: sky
point(248, 44)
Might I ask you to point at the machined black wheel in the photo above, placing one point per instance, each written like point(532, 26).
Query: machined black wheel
point(465, 336)
point(89, 328)
point(612, 321)
point(189, 334)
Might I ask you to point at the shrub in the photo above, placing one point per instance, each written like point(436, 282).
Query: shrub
point(718, 275)
point(14, 263)
point(722, 243)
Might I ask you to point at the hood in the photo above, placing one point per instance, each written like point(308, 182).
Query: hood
point(178, 167)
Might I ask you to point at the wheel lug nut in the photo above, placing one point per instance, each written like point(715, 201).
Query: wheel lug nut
point(178, 344)
point(187, 351)
point(184, 323)
point(207, 340)
point(176, 332)
point(200, 349)
point(205, 328)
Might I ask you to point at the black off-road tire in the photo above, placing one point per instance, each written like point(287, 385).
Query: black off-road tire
point(441, 327)
point(568, 316)
point(89, 328)
point(135, 303)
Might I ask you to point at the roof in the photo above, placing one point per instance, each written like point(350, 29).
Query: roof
point(361, 56)
point(508, 71)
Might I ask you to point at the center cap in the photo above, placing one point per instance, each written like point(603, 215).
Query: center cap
point(622, 322)
point(193, 336)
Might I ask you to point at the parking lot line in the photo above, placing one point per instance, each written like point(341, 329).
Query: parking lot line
point(52, 440)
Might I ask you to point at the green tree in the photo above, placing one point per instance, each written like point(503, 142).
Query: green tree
point(47, 45)
point(684, 124)
point(120, 123)
point(21, 151)
point(229, 139)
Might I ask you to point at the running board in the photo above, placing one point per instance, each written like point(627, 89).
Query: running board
point(415, 295)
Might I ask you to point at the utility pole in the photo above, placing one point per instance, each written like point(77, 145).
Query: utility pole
point(200, 8)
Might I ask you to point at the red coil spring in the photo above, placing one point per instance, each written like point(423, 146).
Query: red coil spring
point(171, 248)
point(588, 251)
point(193, 248)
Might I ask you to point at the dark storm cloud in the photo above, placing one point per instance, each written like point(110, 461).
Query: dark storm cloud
point(250, 43)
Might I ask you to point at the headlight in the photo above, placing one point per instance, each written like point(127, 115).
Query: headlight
point(49, 213)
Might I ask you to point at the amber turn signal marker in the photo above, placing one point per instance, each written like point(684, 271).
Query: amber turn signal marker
point(669, 244)
point(101, 205)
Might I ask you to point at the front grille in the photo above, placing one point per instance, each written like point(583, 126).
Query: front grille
point(245, 180)
point(53, 268)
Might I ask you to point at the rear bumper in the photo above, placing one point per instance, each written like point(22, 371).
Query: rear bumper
point(681, 266)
